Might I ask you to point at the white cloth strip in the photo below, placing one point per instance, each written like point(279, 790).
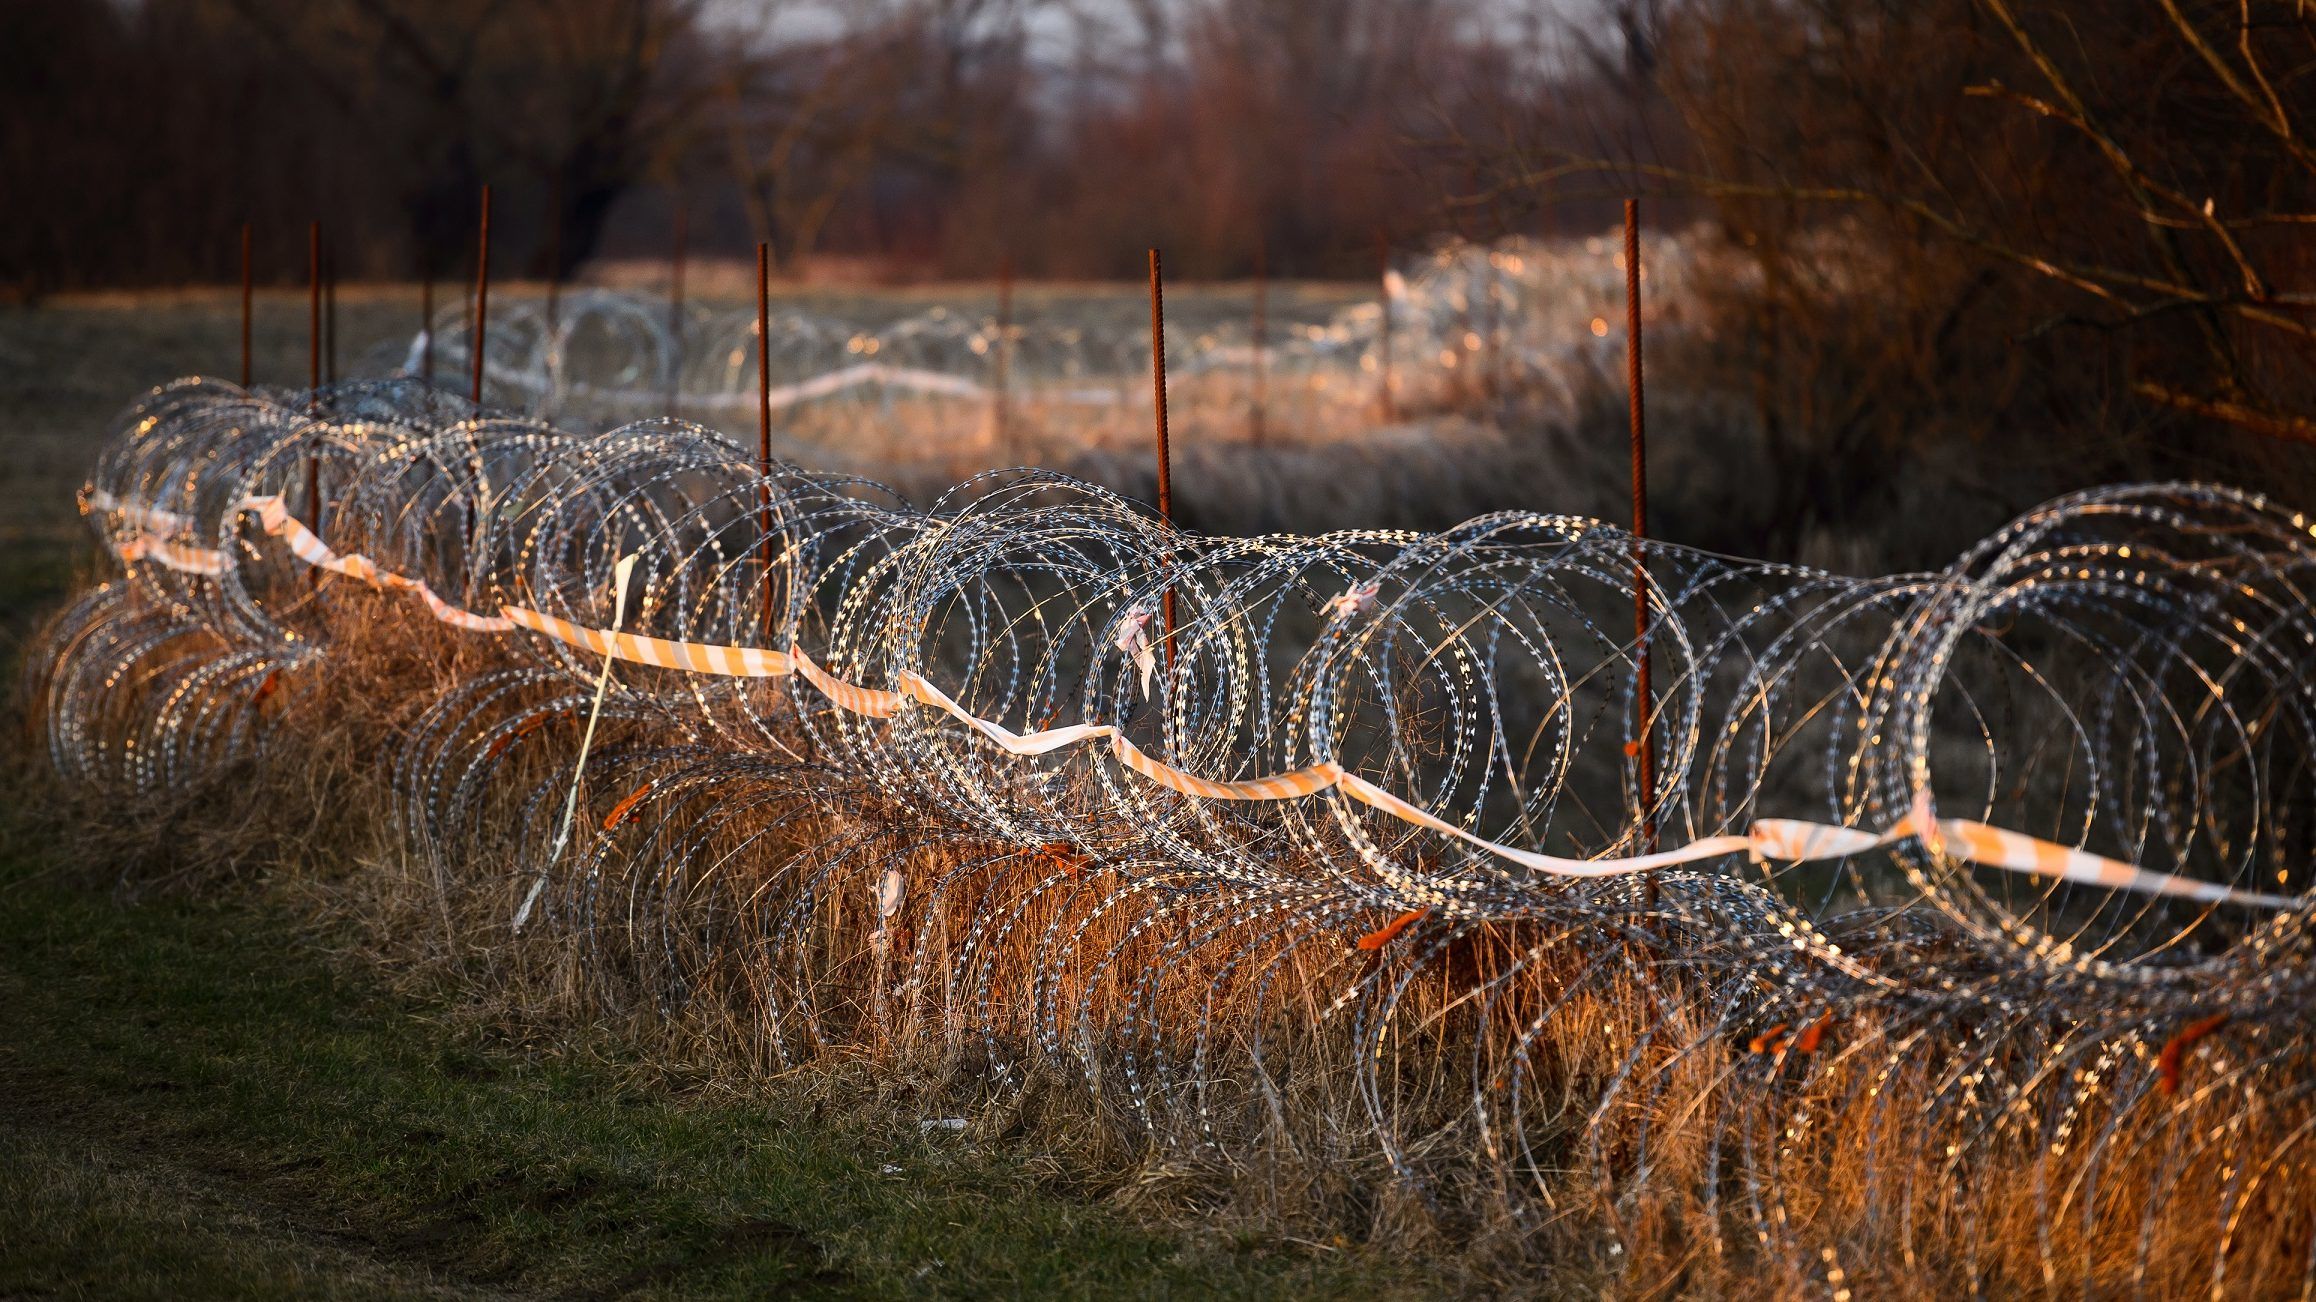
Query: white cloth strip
point(1782, 839)
point(149, 518)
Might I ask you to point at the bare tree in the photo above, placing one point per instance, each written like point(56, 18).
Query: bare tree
point(570, 93)
point(2014, 245)
point(2139, 175)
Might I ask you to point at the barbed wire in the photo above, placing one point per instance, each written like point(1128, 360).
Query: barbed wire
point(1344, 858)
point(1527, 316)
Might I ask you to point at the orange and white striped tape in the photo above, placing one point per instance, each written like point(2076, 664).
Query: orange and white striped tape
point(1781, 839)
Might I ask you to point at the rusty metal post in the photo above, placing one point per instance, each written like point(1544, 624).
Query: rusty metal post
point(764, 420)
point(313, 306)
point(1165, 455)
point(1383, 345)
point(246, 274)
point(482, 296)
point(675, 309)
point(1644, 699)
point(764, 357)
point(1262, 303)
point(314, 376)
point(1001, 425)
point(330, 315)
point(554, 254)
point(426, 322)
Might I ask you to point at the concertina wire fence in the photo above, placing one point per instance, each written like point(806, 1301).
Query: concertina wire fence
point(1531, 317)
point(2007, 863)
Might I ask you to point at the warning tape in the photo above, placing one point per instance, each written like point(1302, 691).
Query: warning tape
point(1781, 839)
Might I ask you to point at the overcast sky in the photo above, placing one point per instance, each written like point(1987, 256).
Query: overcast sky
point(1056, 24)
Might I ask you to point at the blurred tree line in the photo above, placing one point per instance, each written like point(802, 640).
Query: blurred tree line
point(2003, 244)
point(1979, 251)
point(935, 136)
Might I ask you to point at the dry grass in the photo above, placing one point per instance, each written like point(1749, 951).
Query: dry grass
point(726, 929)
point(727, 932)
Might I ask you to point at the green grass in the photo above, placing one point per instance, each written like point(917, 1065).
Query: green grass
point(200, 1097)
point(196, 1101)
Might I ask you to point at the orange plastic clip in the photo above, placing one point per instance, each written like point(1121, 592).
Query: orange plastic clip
point(1771, 1040)
point(1389, 931)
point(620, 811)
point(524, 729)
point(2174, 1055)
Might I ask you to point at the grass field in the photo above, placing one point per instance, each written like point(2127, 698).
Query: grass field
point(216, 1097)
point(261, 1034)
point(196, 1100)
